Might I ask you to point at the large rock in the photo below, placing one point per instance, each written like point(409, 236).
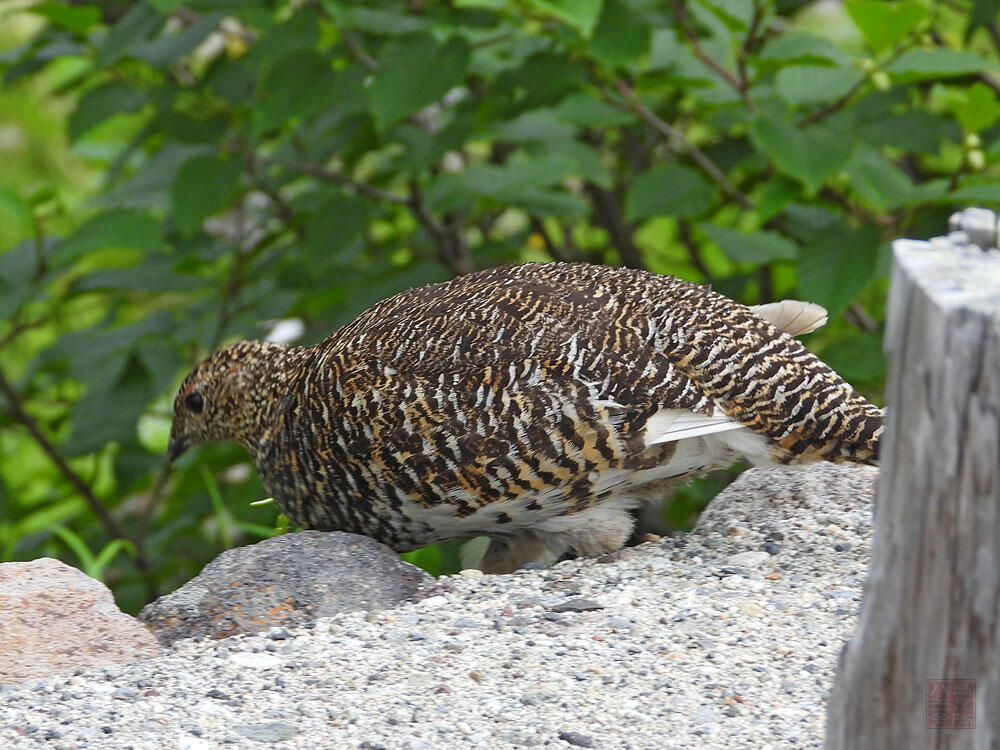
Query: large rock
point(785, 498)
point(288, 580)
point(54, 619)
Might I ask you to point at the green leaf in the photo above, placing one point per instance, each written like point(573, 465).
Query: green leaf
point(333, 227)
point(774, 195)
point(14, 210)
point(75, 18)
point(920, 64)
point(915, 130)
point(585, 110)
point(396, 92)
point(877, 179)
point(814, 84)
point(811, 155)
point(150, 185)
point(296, 85)
point(758, 247)
point(805, 49)
point(582, 15)
point(129, 33)
point(534, 125)
point(167, 49)
point(836, 266)
point(117, 228)
point(857, 358)
point(506, 181)
point(735, 14)
point(97, 105)
point(621, 35)
point(674, 190)
point(884, 23)
point(980, 108)
point(204, 186)
point(351, 14)
point(984, 192)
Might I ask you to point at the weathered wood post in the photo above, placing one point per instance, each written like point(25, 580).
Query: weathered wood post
point(923, 667)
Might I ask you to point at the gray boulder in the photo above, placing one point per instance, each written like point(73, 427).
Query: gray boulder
point(285, 581)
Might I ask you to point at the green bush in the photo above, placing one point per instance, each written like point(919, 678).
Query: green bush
point(263, 161)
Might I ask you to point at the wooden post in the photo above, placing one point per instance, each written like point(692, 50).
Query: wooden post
point(931, 609)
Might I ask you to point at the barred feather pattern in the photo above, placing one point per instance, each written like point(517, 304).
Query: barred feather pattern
point(520, 403)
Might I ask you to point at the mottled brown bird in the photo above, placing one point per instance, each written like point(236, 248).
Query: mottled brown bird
point(537, 405)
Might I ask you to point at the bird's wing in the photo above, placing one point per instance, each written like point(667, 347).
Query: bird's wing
point(472, 438)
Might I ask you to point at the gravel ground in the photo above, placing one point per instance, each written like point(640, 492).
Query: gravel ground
point(727, 637)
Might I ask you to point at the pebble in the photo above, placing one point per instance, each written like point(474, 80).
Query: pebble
point(655, 650)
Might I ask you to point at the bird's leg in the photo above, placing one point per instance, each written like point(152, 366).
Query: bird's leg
point(508, 553)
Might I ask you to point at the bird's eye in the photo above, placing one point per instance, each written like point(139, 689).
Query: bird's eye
point(194, 402)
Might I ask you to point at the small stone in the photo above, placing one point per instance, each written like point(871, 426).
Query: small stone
point(751, 608)
point(270, 732)
point(842, 547)
point(750, 559)
point(577, 739)
point(256, 660)
point(577, 605)
point(432, 602)
point(471, 573)
point(625, 553)
point(771, 548)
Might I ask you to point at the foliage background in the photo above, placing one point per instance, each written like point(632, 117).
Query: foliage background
point(180, 174)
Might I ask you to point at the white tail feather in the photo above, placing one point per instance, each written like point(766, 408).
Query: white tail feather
point(792, 316)
point(668, 425)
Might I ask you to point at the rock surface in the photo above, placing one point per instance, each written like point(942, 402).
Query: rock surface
point(288, 580)
point(54, 619)
point(697, 644)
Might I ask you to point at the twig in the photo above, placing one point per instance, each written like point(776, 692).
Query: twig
point(681, 143)
point(608, 210)
point(765, 284)
point(830, 109)
point(857, 316)
point(16, 410)
point(684, 22)
point(686, 237)
point(332, 175)
point(844, 100)
point(356, 49)
point(564, 252)
point(453, 250)
point(746, 49)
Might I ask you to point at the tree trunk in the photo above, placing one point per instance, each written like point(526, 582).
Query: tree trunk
point(930, 620)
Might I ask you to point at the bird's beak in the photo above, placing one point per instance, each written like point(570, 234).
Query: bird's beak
point(176, 447)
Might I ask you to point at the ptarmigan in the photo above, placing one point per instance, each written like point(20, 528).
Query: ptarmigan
point(537, 405)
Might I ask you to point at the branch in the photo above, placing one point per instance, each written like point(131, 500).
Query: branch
point(358, 51)
point(564, 253)
point(15, 407)
point(739, 85)
point(332, 175)
point(453, 250)
point(609, 213)
point(681, 143)
point(830, 109)
point(746, 49)
point(694, 252)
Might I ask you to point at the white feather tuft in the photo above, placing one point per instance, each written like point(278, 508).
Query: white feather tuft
point(792, 316)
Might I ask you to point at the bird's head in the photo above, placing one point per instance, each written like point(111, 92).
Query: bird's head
point(223, 397)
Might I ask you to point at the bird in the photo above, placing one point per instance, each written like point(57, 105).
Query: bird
point(537, 405)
